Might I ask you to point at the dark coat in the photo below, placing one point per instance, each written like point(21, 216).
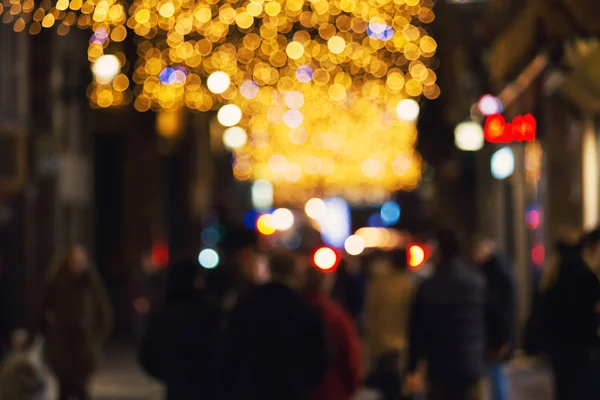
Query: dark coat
point(501, 299)
point(571, 319)
point(180, 349)
point(75, 319)
point(344, 376)
point(180, 345)
point(276, 347)
point(448, 325)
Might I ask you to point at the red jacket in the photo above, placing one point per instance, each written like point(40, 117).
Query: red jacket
point(343, 378)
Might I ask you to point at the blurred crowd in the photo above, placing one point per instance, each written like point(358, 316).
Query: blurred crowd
point(288, 330)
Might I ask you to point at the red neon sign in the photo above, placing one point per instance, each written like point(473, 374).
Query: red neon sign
point(522, 129)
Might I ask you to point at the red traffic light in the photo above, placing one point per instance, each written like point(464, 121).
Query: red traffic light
point(326, 259)
point(417, 255)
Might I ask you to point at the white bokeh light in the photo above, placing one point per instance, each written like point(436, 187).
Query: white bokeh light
point(293, 118)
point(354, 245)
point(468, 136)
point(408, 110)
point(503, 163)
point(218, 82)
point(283, 219)
point(490, 105)
point(235, 137)
point(294, 99)
point(325, 258)
point(315, 208)
point(106, 68)
point(262, 194)
point(208, 258)
point(229, 115)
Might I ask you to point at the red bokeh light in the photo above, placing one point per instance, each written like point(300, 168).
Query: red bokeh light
point(417, 255)
point(495, 129)
point(522, 129)
point(160, 254)
point(538, 254)
point(326, 259)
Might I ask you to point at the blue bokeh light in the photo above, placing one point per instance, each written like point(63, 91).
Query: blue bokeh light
point(100, 36)
point(335, 223)
point(169, 76)
point(390, 213)
point(304, 74)
point(375, 221)
point(210, 236)
point(380, 31)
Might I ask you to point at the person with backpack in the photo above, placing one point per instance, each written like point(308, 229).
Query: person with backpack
point(22, 376)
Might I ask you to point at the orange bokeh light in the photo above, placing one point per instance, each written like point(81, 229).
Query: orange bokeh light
point(416, 256)
point(264, 225)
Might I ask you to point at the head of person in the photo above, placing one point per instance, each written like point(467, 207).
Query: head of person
point(483, 250)
point(317, 281)
point(447, 246)
point(240, 245)
point(285, 269)
point(77, 260)
point(399, 259)
point(182, 281)
point(217, 284)
point(590, 248)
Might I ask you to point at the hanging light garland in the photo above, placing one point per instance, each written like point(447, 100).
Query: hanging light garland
point(361, 154)
point(310, 91)
point(313, 92)
point(378, 48)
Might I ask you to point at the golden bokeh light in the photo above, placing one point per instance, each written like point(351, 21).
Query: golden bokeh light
point(313, 83)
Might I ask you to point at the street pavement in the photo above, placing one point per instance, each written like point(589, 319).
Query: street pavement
point(120, 378)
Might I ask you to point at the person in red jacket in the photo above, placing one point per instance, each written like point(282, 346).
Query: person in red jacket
point(344, 376)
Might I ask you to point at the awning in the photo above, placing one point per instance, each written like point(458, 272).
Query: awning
point(581, 86)
point(519, 43)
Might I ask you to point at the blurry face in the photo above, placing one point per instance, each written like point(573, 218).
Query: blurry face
point(78, 260)
point(482, 252)
point(262, 274)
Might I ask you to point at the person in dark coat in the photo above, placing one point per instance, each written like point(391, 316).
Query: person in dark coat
point(500, 296)
point(75, 319)
point(179, 346)
point(350, 288)
point(241, 265)
point(448, 327)
point(276, 345)
point(344, 376)
point(571, 312)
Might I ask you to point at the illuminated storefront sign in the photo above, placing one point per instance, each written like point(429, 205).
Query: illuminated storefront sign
point(522, 129)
